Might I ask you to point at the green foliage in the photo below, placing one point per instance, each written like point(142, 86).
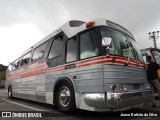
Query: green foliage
point(2, 75)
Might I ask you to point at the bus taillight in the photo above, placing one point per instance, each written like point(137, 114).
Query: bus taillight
point(114, 88)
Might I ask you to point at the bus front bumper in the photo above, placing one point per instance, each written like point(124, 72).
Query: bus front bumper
point(117, 100)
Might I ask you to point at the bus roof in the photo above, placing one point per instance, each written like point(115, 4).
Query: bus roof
point(71, 28)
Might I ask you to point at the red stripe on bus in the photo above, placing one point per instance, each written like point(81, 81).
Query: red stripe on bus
point(88, 60)
point(37, 70)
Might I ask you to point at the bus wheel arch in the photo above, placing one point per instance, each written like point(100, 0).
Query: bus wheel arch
point(64, 95)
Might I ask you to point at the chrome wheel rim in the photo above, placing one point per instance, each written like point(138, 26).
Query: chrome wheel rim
point(64, 96)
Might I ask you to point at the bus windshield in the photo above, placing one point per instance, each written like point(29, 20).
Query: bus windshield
point(122, 45)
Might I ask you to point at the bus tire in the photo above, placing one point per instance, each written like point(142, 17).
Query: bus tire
point(10, 96)
point(65, 98)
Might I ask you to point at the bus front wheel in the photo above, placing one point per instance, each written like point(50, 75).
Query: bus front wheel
point(65, 99)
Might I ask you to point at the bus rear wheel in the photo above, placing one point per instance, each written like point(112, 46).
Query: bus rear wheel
point(65, 99)
point(10, 93)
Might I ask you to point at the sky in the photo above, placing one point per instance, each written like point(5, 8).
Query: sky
point(25, 22)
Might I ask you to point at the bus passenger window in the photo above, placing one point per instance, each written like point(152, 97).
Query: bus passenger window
point(88, 47)
point(56, 49)
point(25, 59)
point(55, 56)
point(71, 50)
point(39, 52)
point(10, 67)
point(16, 64)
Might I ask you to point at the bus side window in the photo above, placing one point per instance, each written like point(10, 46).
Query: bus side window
point(39, 52)
point(25, 59)
point(16, 63)
point(88, 48)
point(55, 56)
point(71, 50)
point(10, 66)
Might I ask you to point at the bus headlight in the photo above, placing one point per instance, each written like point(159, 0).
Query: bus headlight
point(147, 86)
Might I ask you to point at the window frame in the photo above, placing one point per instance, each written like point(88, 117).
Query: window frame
point(135, 50)
point(54, 38)
point(109, 27)
point(28, 61)
point(32, 53)
point(11, 64)
point(76, 49)
point(78, 42)
point(20, 58)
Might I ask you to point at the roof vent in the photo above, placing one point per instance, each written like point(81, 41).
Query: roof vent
point(75, 23)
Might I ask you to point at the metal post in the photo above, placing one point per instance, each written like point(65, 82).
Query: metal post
point(155, 43)
point(154, 36)
point(154, 39)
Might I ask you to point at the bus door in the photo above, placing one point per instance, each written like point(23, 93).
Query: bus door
point(90, 69)
point(156, 57)
point(154, 53)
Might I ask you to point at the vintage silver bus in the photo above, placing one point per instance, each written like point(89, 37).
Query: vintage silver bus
point(94, 66)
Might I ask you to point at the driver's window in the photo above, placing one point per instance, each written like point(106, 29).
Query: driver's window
point(88, 46)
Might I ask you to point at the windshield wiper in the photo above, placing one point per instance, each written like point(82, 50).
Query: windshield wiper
point(127, 61)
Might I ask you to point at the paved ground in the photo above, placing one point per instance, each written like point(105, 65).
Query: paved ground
point(21, 106)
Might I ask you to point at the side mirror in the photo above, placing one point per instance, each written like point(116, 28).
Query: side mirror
point(107, 42)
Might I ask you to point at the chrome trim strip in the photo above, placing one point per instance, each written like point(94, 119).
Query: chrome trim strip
point(95, 99)
point(118, 100)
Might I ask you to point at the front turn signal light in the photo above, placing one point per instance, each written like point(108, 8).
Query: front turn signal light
point(89, 24)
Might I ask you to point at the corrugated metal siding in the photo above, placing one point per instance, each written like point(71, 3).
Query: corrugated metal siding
point(90, 79)
point(123, 74)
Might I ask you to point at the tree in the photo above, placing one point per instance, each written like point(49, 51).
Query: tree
point(2, 72)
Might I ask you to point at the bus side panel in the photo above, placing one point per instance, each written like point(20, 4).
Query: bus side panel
point(29, 82)
point(24, 87)
point(51, 79)
point(27, 88)
point(40, 88)
point(90, 79)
